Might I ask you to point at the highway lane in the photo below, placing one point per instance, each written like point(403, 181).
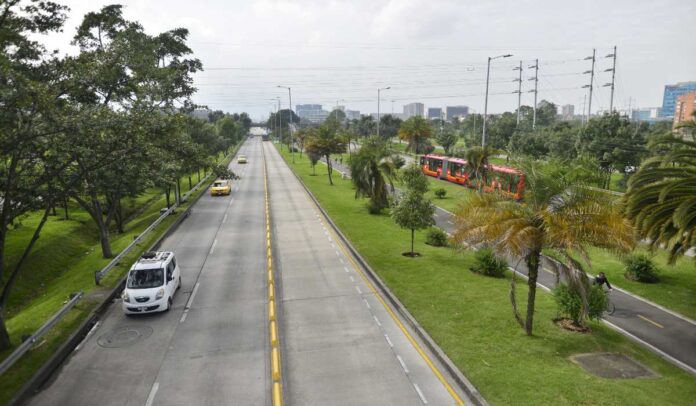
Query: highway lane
point(341, 345)
point(214, 353)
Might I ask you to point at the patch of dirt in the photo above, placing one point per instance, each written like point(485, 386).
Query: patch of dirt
point(568, 324)
point(411, 254)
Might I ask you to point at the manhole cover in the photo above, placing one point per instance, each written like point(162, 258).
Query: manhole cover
point(612, 365)
point(124, 336)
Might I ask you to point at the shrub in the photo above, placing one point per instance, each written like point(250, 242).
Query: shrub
point(374, 207)
point(437, 238)
point(398, 161)
point(440, 193)
point(486, 263)
point(570, 303)
point(641, 268)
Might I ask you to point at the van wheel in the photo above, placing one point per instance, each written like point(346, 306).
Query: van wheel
point(169, 304)
point(179, 285)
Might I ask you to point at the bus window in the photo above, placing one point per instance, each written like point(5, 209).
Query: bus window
point(422, 161)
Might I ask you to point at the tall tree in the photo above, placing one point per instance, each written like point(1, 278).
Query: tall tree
point(31, 123)
point(447, 138)
point(661, 196)
point(324, 143)
point(417, 132)
point(373, 172)
point(560, 217)
point(412, 210)
point(389, 126)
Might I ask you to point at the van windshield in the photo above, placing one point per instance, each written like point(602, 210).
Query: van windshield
point(145, 278)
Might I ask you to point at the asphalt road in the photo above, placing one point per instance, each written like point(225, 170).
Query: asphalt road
point(216, 353)
point(671, 336)
point(341, 345)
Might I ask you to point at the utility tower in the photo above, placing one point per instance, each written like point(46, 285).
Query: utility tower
point(613, 76)
point(590, 86)
point(535, 91)
point(519, 91)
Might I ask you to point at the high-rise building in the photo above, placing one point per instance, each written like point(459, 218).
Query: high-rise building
point(568, 112)
point(669, 100)
point(353, 114)
point(311, 112)
point(434, 113)
point(684, 108)
point(414, 109)
point(649, 114)
point(456, 111)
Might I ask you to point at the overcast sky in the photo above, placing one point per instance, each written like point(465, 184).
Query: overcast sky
point(430, 51)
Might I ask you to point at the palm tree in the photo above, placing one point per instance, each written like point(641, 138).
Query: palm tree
point(557, 217)
point(416, 131)
point(373, 172)
point(661, 196)
point(325, 142)
point(477, 160)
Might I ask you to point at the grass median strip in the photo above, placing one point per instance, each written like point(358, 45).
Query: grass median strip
point(470, 317)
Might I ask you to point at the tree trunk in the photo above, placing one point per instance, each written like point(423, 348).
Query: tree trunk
point(532, 261)
point(65, 206)
point(167, 192)
point(178, 190)
point(4, 334)
point(95, 211)
point(328, 168)
point(190, 184)
point(119, 217)
point(199, 174)
point(412, 236)
point(314, 170)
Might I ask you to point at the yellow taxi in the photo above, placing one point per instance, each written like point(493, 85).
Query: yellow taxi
point(242, 159)
point(221, 187)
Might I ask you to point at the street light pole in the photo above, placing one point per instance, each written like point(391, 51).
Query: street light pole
point(485, 106)
point(292, 140)
point(378, 91)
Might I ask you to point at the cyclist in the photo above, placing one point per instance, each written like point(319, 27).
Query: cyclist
point(601, 279)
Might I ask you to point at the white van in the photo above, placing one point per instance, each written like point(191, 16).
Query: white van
point(151, 283)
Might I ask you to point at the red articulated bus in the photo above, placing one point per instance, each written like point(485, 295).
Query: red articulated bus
point(506, 180)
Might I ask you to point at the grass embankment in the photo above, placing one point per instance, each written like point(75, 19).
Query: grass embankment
point(64, 261)
point(470, 318)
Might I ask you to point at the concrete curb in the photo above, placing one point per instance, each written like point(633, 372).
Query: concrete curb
point(44, 373)
point(458, 376)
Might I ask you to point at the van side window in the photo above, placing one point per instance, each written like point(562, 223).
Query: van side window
point(170, 269)
point(173, 262)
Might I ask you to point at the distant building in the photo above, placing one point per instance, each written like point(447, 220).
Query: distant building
point(434, 113)
point(648, 114)
point(456, 111)
point(352, 114)
point(684, 108)
point(669, 100)
point(567, 112)
point(311, 112)
point(414, 109)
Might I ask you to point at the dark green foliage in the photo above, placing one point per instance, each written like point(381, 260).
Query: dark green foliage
point(437, 237)
point(398, 161)
point(440, 193)
point(570, 303)
point(487, 263)
point(641, 268)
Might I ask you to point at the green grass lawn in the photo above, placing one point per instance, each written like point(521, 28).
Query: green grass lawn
point(72, 250)
point(470, 317)
point(676, 289)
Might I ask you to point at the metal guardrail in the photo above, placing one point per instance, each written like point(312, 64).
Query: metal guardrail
point(27, 344)
point(99, 275)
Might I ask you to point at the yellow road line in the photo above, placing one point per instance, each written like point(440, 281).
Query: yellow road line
point(650, 321)
point(398, 322)
point(276, 387)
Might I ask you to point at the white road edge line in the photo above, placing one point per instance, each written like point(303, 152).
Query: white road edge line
point(212, 249)
point(153, 392)
point(420, 394)
point(94, 327)
point(224, 219)
point(403, 364)
point(193, 294)
point(183, 316)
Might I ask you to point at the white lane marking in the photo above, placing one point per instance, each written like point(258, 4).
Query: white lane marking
point(376, 320)
point(338, 254)
point(367, 304)
point(183, 316)
point(420, 394)
point(341, 260)
point(332, 245)
point(193, 294)
point(352, 279)
point(153, 392)
point(346, 269)
point(389, 341)
point(212, 249)
point(224, 219)
point(403, 364)
point(358, 289)
point(231, 201)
